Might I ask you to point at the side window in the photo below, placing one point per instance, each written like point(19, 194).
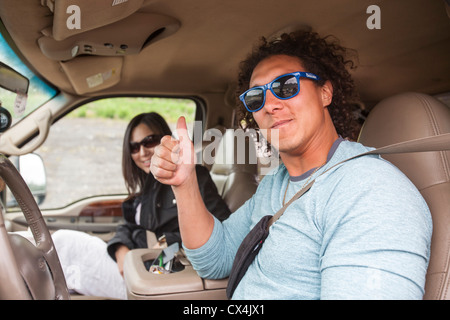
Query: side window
point(83, 153)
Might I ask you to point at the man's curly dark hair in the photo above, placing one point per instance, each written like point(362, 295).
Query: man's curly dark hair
point(321, 56)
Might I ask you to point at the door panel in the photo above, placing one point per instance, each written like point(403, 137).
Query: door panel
point(99, 216)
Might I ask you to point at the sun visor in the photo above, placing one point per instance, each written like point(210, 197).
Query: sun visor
point(125, 37)
point(89, 74)
point(71, 18)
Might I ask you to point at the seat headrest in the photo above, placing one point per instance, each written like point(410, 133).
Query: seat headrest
point(410, 116)
point(235, 152)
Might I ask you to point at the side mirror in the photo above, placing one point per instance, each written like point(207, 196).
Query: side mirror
point(31, 168)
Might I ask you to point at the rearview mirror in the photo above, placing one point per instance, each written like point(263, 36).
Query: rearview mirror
point(13, 81)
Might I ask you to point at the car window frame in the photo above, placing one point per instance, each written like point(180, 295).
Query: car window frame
point(199, 115)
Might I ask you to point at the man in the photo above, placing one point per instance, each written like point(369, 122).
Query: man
point(361, 232)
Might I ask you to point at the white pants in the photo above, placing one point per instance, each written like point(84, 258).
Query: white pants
point(87, 267)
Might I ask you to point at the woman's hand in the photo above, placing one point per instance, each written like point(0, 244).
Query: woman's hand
point(121, 251)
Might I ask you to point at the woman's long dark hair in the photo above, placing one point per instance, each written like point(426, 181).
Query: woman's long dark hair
point(133, 175)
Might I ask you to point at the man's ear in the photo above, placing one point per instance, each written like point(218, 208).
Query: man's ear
point(327, 93)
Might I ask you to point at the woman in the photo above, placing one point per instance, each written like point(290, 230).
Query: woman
point(86, 260)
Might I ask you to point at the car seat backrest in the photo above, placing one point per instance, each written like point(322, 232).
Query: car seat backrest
point(235, 168)
point(410, 116)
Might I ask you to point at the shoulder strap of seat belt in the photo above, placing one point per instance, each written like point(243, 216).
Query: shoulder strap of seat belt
point(434, 143)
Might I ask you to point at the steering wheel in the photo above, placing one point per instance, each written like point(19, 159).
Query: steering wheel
point(28, 271)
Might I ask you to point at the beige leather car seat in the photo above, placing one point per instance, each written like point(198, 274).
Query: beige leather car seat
point(235, 169)
point(410, 116)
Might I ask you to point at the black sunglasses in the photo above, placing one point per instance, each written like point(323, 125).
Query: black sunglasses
point(148, 142)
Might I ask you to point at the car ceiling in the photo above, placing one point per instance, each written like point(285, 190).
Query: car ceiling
point(203, 41)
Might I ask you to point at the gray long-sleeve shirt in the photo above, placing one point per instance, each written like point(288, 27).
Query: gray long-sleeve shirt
point(363, 231)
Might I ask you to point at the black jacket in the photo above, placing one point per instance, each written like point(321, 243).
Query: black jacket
point(159, 212)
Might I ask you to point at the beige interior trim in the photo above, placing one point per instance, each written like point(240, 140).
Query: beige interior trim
point(90, 73)
point(93, 14)
point(41, 121)
point(185, 284)
point(125, 37)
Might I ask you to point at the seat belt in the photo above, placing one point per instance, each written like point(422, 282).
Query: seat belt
point(439, 142)
point(254, 240)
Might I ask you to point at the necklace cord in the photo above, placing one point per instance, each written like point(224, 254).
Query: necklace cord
point(307, 181)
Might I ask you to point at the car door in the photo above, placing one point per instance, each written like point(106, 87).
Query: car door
point(82, 187)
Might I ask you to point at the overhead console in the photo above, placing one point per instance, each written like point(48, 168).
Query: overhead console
point(87, 38)
point(124, 37)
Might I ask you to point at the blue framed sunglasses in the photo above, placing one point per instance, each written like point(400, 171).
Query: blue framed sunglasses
point(283, 87)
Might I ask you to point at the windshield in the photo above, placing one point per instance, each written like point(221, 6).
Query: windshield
point(38, 92)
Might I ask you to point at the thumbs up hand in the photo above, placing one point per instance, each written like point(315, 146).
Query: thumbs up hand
point(173, 160)
point(186, 148)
